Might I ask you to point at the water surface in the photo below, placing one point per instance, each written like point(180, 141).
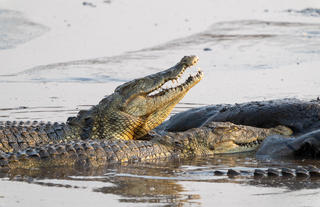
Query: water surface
point(256, 53)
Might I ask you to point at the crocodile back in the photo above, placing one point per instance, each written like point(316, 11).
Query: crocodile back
point(15, 136)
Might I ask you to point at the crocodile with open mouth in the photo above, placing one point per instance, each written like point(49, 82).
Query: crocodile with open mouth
point(129, 113)
point(110, 131)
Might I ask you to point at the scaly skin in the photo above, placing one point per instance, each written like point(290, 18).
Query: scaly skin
point(299, 115)
point(129, 113)
point(15, 137)
point(132, 111)
point(301, 172)
point(107, 132)
point(213, 138)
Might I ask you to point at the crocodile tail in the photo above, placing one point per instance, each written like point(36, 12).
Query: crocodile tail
point(84, 154)
point(19, 136)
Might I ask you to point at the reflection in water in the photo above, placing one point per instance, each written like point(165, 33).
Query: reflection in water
point(163, 182)
point(140, 190)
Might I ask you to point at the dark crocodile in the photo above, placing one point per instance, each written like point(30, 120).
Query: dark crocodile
point(299, 115)
point(304, 146)
point(284, 172)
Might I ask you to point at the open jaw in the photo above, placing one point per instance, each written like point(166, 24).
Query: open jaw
point(176, 87)
point(153, 84)
point(231, 146)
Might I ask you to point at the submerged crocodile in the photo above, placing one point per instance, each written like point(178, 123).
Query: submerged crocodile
point(299, 172)
point(108, 132)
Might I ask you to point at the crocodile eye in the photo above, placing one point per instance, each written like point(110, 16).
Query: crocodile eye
point(211, 147)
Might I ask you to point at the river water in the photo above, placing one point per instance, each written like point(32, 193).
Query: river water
point(59, 57)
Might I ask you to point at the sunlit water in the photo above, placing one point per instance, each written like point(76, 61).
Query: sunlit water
point(243, 60)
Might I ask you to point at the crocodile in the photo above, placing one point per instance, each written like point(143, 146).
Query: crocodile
point(209, 140)
point(278, 147)
point(206, 141)
point(284, 172)
point(110, 131)
point(135, 108)
point(130, 113)
point(306, 146)
point(300, 115)
point(213, 138)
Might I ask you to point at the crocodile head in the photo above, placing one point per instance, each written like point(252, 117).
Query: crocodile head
point(239, 138)
point(217, 138)
point(138, 106)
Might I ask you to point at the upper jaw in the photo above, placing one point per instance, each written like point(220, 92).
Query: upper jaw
point(179, 89)
point(146, 85)
point(173, 74)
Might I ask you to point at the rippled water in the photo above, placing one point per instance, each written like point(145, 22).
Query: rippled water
point(173, 183)
point(243, 60)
